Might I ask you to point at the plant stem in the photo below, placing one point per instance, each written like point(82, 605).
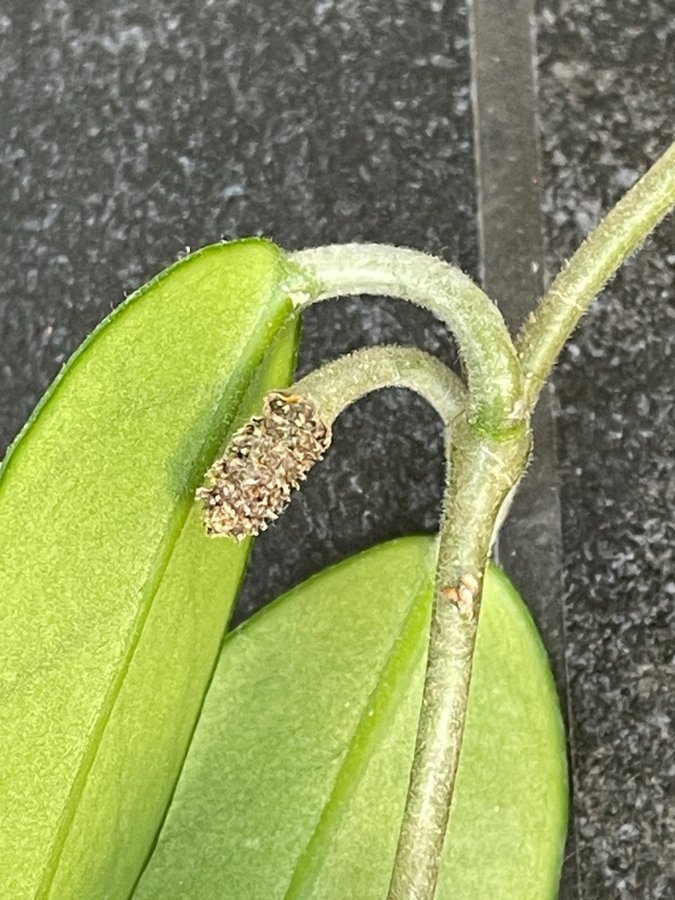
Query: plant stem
point(342, 382)
point(482, 474)
point(487, 441)
point(481, 478)
point(486, 454)
point(485, 347)
point(621, 231)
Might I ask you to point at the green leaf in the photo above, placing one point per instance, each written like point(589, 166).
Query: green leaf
point(114, 601)
point(295, 781)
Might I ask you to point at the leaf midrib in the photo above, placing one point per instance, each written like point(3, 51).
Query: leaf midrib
point(242, 380)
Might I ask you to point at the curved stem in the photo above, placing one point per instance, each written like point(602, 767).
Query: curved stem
point(271, 454)
point(343, 381)
point(621, 231)
point(485, 347)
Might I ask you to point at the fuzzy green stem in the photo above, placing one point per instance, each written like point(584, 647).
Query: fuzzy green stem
point(485, 346)
point(488, 451)
point(595, 262)
point(484, 463)
point(342, 382)
point(483, 473)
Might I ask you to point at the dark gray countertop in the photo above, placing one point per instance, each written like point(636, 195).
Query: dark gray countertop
point(130, 132)
point(606, 108)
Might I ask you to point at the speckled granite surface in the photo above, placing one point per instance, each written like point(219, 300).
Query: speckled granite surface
point(606, 108)
point(129, 132)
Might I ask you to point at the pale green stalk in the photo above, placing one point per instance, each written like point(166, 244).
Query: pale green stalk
point(623, 229)
point(345, 380)
point(485, 347)
point(488, 451)
point(486, 448)
point(482, 474)
point(482, 471)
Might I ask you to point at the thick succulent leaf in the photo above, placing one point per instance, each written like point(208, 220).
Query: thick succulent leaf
point(114, 601)
point(295, 780)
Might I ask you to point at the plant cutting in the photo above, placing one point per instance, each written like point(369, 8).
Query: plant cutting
point(388, 728)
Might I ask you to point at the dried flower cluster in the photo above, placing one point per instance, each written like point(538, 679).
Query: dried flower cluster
point(265, 460)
